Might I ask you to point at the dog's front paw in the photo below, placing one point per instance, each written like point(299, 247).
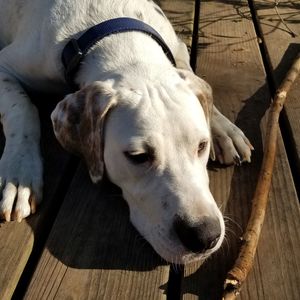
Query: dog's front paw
point(230, 143)
point(20, 182)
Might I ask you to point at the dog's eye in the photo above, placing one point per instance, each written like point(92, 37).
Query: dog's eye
point(202, 146)
point(138, 158)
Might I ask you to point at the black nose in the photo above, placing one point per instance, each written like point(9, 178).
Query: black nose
point(198, 237)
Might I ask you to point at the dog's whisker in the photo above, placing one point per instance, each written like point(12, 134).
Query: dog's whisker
point(231, 232)
point(227, 245)
point(221, 205)
point(230, 221)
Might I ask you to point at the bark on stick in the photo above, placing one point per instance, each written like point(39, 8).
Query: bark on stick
point(237, 275)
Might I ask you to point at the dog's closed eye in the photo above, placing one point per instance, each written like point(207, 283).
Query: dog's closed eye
point(202, 146)
point(138, 158)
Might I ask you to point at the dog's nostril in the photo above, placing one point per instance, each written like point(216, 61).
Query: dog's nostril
point(198, 237)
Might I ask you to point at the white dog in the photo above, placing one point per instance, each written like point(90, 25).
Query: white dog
point(158, 118)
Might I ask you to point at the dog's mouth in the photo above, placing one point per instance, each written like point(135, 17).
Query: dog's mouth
point(181, 237)
point(175, 253)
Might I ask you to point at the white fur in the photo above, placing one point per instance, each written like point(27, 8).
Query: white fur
point(157, 106)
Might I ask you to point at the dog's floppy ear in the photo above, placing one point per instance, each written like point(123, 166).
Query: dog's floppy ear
point(203, 92)
point(78, 123)
point(201, 89)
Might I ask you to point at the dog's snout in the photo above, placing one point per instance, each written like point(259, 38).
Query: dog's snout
point(200, 236)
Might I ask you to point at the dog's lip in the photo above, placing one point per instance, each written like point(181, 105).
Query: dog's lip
point(190, 257)
point(194, 257)
point(187, 258)
point(166, 244)
point(174, 252)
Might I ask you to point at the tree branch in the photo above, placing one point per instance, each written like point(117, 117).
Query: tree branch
point(237, 275)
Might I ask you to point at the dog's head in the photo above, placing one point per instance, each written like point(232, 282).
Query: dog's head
point(155, 146)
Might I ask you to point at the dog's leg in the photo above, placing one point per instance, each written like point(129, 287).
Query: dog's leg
point(230, 143)
point(21, 163)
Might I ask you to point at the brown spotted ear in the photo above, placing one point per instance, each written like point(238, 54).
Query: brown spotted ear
point(203, 92)
point(78, 123)
point(201, 89)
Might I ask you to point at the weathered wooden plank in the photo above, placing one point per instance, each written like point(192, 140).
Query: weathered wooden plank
point(280, 26)
point(17, 240)
point(181, 15)
point(229, 58)
point(93, 252)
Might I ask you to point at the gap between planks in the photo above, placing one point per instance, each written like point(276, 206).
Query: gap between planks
point(230, 51)
point(270, 23)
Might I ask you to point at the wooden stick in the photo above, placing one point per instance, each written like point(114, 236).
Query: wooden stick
point(237, 275)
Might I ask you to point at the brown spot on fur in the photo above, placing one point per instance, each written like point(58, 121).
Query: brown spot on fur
point(74, 114)
point(139, 15)
point(93, 92)
point(75, 111)
point(57, 125)
point(80, 129)
point(182, 75)
point(64, 106)
point(165, 205)
point(81, 101)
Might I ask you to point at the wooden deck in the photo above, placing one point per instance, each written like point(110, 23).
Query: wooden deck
point(80, 244)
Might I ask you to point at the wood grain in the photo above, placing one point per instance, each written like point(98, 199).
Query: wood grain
point(94, 252)
point(181, 15)
point(18, 240)
point(229, 59)
point(281, 32)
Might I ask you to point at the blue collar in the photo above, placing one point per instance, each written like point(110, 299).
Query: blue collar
point(76, 49)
